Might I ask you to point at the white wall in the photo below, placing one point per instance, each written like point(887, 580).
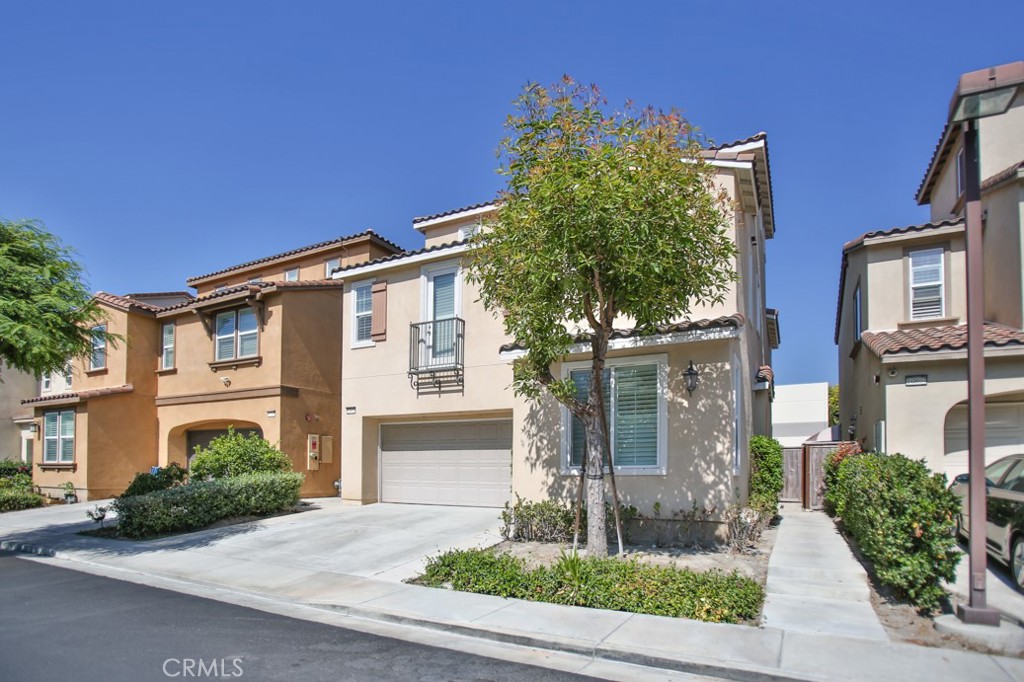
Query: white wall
point(799, 411)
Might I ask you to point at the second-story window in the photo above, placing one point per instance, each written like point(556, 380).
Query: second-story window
point(291, 275)
point(47, 381)
point(68, 375)
point(98, 359)
point(926, 284)
point(167, 346)
point(362, 314)
point(330, 266)
point(236, 335)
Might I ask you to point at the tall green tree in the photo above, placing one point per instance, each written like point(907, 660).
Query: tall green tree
point(46, 311)
point(606, 214)
point(833, 404)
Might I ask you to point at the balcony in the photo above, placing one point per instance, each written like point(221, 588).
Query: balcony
point(436, 355)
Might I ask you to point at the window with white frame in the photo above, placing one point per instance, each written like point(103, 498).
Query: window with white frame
point(68, 375)
point(59, 437)
point(468, 231)
point(635, 407)
point(926, 284)
point(362, 314)
point(167, 346)
point(98, 358)
point(857, 319)
point(330, 266)
point(47, 382)
point(291, 275)
point(237, 334)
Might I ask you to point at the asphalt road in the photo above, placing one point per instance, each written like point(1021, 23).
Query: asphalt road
point(58, 624)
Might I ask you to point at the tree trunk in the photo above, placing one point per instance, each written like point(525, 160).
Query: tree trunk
point(597, 535)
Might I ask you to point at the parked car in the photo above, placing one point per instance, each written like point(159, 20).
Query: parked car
point(1004, 483)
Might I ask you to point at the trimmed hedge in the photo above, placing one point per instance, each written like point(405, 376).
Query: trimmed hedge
point(234, 454)
point(199, 504)
point(901, 516)
point(608, 583)
point(766, 475)
point(13, 499)
point(171, 475)
point(12, 467)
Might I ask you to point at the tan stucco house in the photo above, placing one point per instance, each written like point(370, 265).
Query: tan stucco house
point(901, 315)
point(257, 349)
point(429, 416)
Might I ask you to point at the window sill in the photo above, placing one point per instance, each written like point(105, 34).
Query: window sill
point(235, 364)
point(624, 471)
point(57, 466)
point(364, 344)
point(930, 322)
point(99, 371)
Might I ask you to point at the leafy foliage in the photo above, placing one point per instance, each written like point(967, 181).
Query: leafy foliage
point(198, 504)
point(13, 499)
point(901, 516)
point(833, 404)
point(12, 467)
point(551, 521)
point(766, 475)
point(602, 583)
point(605, 214)
point(234, 454)
point(46, 310)
point(18, 481)
point(146, 482)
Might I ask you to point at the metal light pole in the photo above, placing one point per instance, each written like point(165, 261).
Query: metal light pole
point(979, 94)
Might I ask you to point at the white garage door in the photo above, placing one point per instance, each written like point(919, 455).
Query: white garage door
point(1004, 434)
point(461, 463)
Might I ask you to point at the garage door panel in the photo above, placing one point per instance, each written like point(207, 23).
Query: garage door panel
point(1004, 434)
point(459, 463)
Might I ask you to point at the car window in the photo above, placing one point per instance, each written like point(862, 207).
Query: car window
point(995, 471)
point(1014, 480)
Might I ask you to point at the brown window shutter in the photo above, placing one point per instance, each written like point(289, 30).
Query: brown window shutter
point(379, 318)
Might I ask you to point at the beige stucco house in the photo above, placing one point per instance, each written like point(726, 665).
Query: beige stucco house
point(429, 416)
point(16, 434)
point(901, 315)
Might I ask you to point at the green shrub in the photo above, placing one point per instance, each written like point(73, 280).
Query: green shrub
point(13, 467)
point(552, 521)
point(13, 499)
point(602, 583)
point(171, 475)
point(234, 454)
point(766, 476)
point(16, 482)
point(832, 462)
point(900, 515)
point(199, 504)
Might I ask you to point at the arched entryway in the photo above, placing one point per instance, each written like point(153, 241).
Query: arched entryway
point(183, 439)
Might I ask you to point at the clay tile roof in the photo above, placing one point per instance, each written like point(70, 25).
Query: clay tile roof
point(80, 396)
point(736, 143)
point(158, 294)
point(736, 320)
point(424, 218)
point(950, 337)
point(942, 149)
point(765, 373)
point(400, 256)
point(906, 229)
point(252, 288)
point(125, 303)
point(1002, 176)
point(302, 249)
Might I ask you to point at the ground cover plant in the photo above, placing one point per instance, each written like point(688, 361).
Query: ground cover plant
point(901, 516)
point(604, 583)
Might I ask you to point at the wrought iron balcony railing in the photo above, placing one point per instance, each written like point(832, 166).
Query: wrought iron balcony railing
point(436, 353)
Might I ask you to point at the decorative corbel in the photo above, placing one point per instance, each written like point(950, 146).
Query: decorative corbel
point(205, 320)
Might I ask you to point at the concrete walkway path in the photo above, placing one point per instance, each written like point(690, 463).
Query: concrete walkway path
point(815, 584)
point(210, 564)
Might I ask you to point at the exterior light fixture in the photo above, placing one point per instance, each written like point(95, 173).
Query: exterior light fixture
point(225, 381)
point(33, 428)
point(692, 375)
point(978, 94)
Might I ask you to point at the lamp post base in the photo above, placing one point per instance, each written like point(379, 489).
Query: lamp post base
point(970, 615)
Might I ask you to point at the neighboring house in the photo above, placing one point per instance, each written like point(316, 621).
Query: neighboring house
point(799, 413)
point(257, 350)
point(15, 421)
point(901, 316)
point(95, 425)
point(429, 415)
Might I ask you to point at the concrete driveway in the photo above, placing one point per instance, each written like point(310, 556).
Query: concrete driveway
point(387, 542)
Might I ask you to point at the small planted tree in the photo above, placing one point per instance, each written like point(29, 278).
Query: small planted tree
point(606, 214)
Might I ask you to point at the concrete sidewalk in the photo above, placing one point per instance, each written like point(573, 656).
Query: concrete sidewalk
point(715, 650)
point(815, 585)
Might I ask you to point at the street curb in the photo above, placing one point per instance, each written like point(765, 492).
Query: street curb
point(736, 671)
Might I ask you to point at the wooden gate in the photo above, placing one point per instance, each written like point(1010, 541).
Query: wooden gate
point(793, 474)
point(814, 472)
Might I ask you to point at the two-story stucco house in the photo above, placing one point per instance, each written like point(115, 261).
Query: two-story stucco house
point(429, 416)
point(256, 349)
point(901, 315)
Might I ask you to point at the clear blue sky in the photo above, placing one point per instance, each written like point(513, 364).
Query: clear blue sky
point(163, 140)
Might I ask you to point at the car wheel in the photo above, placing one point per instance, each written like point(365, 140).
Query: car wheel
point(1017, 562)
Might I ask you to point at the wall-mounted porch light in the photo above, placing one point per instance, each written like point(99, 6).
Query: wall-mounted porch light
point(691, 375)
